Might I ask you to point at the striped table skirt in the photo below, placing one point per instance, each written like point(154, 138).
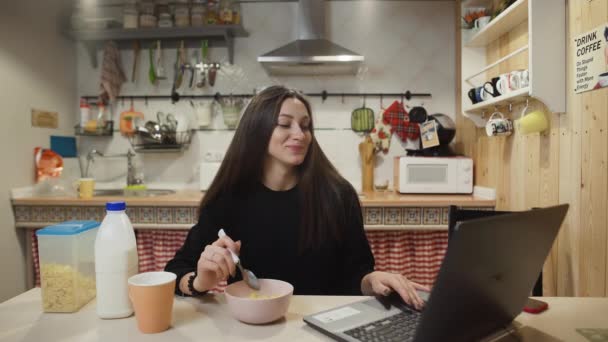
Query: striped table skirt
point(415, 254)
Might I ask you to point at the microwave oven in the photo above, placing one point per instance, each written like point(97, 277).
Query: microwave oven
point(433, 175)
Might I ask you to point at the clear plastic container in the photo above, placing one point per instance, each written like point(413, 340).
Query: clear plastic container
point(67, 265)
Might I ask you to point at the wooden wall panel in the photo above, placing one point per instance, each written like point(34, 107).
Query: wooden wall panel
point(566, 164)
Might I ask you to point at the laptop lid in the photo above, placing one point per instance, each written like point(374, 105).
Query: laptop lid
point(488, 271)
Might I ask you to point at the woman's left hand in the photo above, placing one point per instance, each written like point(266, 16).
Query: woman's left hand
point(383, 283)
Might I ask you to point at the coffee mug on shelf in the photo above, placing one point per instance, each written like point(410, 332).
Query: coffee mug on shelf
point(518, 79)
point(491, 87)
point(498, 125)
point(481, 22)
point(502, 85)
point(472, 96)
point(603, 79)
point(525, 78)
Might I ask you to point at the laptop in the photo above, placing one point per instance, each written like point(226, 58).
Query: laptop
point(489, 268)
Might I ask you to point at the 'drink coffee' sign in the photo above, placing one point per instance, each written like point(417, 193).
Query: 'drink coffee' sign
point(591, 58)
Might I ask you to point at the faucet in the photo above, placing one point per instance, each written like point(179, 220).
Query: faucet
point(131, 177)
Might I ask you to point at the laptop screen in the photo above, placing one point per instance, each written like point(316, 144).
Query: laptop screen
point(488, 271)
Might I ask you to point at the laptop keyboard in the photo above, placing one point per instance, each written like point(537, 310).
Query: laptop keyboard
point(400, 327)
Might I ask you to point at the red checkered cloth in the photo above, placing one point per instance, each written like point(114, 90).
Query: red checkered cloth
point(396, 116)
point(416, 254)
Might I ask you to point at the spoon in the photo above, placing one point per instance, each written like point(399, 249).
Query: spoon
point(248, 276)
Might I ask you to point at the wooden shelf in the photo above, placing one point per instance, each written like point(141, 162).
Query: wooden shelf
point(500, 25)
point(222, 35)
point(547, 76)
point(159, 33)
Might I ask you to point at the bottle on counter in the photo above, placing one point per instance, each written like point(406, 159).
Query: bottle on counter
point(85, 112)
point(115, 261)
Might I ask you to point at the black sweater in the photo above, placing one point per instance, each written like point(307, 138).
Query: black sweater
point(267, 222)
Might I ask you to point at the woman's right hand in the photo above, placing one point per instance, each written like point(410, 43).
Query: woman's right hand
point(215, 263)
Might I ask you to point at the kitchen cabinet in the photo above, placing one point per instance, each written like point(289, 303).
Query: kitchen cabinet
point(546, 57)
point(407, 233)
point(217, 35)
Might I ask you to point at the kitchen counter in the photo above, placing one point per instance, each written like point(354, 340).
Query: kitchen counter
point(192, 198)
point(207, 318)
point(402, 229)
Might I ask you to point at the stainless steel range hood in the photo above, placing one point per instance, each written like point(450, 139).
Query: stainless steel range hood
point(311, 53)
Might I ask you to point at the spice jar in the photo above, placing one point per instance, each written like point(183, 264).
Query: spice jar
point(213, 15)
point(226, 12)
point(198, 12)
point(162, 8)
point(236, 13)
point(164, 20)
point(130, 16)
point(182, 14)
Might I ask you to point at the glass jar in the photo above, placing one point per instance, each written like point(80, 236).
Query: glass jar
point(213, 12)
point(198, 13)
point(130, 18)
point(162, 8)
point(147, 20)
point(225, 13)
point(236, 13)
point(164, 20)
point(147, 7)
point(182, 15)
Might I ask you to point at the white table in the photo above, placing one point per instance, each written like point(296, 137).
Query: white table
point(208, 319)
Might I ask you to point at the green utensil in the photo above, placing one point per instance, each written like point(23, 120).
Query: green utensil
point(151, 71)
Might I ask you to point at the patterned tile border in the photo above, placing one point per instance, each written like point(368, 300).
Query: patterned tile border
point(431, 216)
point(412, 216)
point(373, 216)
point(392, 216)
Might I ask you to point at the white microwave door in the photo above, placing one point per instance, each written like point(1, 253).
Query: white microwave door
point(429, 178)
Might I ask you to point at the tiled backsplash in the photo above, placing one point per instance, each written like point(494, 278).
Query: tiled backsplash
point(408, 45)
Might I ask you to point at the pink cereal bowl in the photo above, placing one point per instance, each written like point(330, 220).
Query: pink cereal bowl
point(253, 306)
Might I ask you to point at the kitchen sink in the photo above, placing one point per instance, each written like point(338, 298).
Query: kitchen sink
point(146, 193)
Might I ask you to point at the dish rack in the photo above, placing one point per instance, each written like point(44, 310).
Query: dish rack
point(162, 142)
point(106, 130)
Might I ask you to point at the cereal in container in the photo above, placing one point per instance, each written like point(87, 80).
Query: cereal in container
point(67, 265)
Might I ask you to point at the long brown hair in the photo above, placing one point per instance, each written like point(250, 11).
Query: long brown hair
point(320, 185)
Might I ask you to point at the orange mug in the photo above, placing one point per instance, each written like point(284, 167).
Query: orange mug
point(152, 296)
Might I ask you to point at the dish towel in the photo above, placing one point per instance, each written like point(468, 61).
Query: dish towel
point(398, 118)
point(381, 136)
point(112, 75)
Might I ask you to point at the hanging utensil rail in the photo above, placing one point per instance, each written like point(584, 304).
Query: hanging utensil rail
point(323, 95)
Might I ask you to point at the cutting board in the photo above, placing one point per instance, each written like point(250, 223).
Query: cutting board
point(366, 150)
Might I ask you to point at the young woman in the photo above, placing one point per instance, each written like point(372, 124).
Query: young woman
point(292, 215)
